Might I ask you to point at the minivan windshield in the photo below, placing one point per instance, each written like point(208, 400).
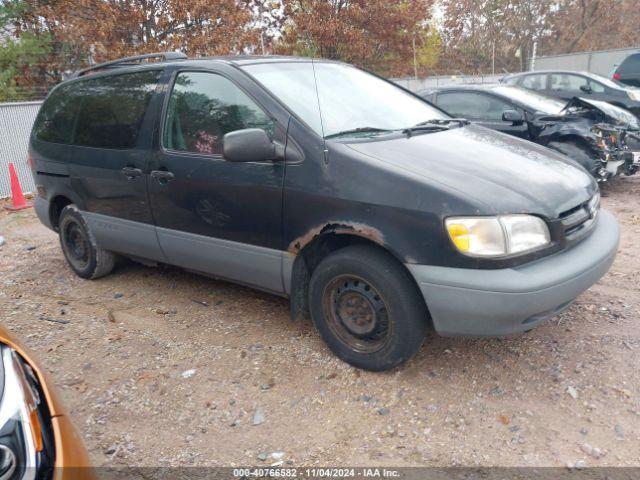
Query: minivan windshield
point(531, 100)
point(346, 102)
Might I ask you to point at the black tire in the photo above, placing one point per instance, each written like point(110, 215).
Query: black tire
point(367, 308)
point(578, 154)
point(83, 255)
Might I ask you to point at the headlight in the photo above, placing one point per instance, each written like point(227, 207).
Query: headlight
point(497, 236)
point(22, 449)
point(633, 95)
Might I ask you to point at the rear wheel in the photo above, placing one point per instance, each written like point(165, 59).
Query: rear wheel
point(82, 253)
point(579, 154)
point(367, 308)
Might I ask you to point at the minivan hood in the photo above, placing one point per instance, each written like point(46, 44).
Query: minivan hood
point(506, 174)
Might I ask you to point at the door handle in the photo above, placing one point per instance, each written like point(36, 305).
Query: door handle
point(162, 176)
point(131, 172)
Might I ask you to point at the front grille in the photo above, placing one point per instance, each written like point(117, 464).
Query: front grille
point(578, 221)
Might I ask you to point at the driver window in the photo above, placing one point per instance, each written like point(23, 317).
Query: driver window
point(562, 82)
point(596, 87)
point(203, 107)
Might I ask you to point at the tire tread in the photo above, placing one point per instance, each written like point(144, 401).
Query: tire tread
point(401, 293)
point(103, 260)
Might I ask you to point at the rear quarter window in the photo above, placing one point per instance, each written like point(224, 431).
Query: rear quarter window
point(534, 82)
point(57, 116)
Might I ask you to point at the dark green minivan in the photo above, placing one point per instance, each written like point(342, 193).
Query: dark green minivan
point(375, 213)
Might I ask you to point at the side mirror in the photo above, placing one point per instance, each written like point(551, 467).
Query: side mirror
point(585, 88)
point(248, 145)
point(512, 116)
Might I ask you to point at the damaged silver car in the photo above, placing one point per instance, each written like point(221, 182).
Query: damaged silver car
point(601, 137)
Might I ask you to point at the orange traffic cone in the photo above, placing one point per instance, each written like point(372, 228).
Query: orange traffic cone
point(17, 198)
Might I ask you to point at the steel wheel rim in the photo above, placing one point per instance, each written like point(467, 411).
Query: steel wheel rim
point(76, 244)
point(356, 314)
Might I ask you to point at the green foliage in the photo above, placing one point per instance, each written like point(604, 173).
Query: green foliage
point(11, 11)
point(304, 46)
point(20, 52)
point(428, 49)
point(17, 57)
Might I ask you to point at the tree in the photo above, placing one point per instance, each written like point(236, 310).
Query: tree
point(48, 39)
point(268, 19)
point(21, 52)
point(428, 50)
point(479, 33)
point(581, 25)
point(116, 28)
point(18, 59)
point(374, 34)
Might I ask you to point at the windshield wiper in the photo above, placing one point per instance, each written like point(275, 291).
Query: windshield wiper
point(359, 130)
point(435, 125)
point(444, 121)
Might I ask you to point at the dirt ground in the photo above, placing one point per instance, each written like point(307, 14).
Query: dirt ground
point(162, 367)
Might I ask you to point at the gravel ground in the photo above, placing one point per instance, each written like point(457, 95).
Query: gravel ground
point(161, 367)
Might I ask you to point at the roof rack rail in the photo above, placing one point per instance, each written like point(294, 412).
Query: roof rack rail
point(128, 60)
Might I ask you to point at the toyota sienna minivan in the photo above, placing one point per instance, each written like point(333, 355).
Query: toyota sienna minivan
point(374, 212)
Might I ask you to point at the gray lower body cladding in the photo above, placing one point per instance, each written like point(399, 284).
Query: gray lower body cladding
point(467, 302)
point(247, 264)
point(125, 236)
point(242, 263)
point(43, 211)
point(239, 262)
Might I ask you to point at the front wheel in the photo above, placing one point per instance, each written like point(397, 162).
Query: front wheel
point(83, 255)
point(367, 308)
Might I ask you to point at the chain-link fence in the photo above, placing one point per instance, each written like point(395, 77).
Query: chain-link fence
point(16, 120)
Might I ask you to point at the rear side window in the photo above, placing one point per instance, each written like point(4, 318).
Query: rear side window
point(203, 107)
point(57, 116)
point(534, 82)
point(112, 109)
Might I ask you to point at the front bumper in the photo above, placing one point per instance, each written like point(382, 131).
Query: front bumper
point(482, 303)
point(617, 163)
point(624, 162)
